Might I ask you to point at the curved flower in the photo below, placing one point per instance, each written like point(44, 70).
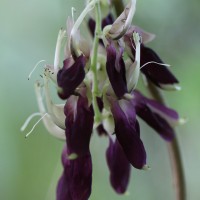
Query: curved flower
point(119, 166)
point(159, 75)
point(159, 117)
point(79, 125)
point(70, 77)
point(128, 133)
point(115, 67)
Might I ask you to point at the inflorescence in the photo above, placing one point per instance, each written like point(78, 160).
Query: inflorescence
point(98, 84)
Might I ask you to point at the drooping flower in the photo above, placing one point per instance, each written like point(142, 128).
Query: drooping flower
point(119, 166)
point(76, 180)
point(70, 77)
point(160, 76)
point(98, 86)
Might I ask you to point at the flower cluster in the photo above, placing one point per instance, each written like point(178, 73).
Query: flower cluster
point(97, 82)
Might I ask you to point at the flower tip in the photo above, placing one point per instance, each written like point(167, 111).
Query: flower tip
point(72, 156)
point(182, 121)
point(26, 136)
point(152, 36)
point(146, 168)
point(34, 68)
point(175, 87)
point(127, 193)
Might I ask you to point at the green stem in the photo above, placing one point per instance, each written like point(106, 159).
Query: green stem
point(173, 147)
point(95, 89)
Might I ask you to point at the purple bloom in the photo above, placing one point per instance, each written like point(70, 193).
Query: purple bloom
point(115, 67)
point(76, 180)
point(99, 89)
point(159, 117)
point(151, 64)
point(159, 75)
point(79, 125)
point(75, 183)
point(128, 133)
point(119, 166)
point(70, 77)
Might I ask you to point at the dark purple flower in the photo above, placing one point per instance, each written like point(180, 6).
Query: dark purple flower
point(70, 77)
point(128, 133)
point(76, 180)
point(75, 183)
point(151, 65)
point(159, 75)
point(159, 117)
point(79, 125)
point(119, 166)
point(115, 67)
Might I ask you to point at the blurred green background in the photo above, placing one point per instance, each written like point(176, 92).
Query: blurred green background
point(30, 168)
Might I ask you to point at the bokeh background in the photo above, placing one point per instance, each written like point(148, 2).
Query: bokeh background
point(30, 168)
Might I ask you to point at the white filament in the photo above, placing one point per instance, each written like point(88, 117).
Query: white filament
point(61, 35)
point(153, 62)
point(123, 22)
point(73, 39)
point(28, 120)
point(78, 22)
point(37, 64)
point(35, 125)
point(135, 68)
point(73, 12)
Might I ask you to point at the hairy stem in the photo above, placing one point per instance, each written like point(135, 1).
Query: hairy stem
point(173, 147)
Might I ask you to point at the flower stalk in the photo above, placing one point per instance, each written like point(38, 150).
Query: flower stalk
point(95, 89)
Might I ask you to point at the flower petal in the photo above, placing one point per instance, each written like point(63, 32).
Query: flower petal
point(128, 134)
point(146, 36)
point(170, 115)
point(76, 180)
point(154, 119)
point(115, 67)
point(123, 22)
point(69, 78)
point(79, 125)
point(119, 167)
point(159, 75)
point(133, 43)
